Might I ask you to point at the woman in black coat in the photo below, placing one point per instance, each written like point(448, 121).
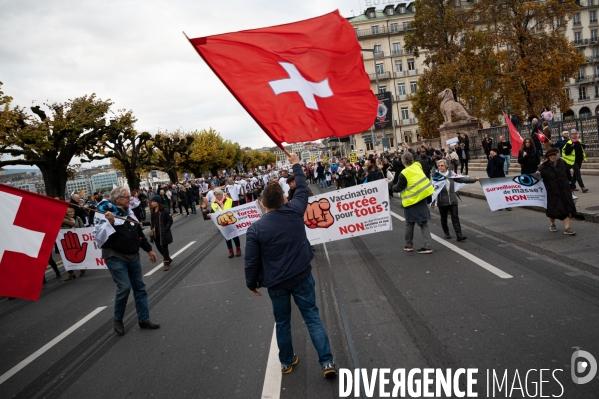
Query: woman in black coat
point(161, 222)
point(558, 183)
point(528, 158)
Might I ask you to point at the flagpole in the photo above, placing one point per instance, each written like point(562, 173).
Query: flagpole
point(103, 213)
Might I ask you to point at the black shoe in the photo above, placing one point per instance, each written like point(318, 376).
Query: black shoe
point(447, 236)
point(58, 276)
point(149, 325)
point(508, 209)
point(461, 237)
point(329, 370)
point(119, 328)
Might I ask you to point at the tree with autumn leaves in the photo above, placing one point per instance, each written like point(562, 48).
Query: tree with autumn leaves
point(492, 54)
point(85, 127)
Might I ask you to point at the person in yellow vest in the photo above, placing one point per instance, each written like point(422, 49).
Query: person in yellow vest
point(573, 154)
point(416, 193)
point(221, 203)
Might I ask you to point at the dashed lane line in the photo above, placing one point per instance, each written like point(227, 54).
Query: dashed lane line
point(487, 266)
point(48, 346)
point(154, 270)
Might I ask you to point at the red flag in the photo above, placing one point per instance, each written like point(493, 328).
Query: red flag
point(29, 224)
point(515, 137)
point(300, 82)
point(541, 136)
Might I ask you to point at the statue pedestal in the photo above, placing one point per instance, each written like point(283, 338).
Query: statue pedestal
point(450, 130)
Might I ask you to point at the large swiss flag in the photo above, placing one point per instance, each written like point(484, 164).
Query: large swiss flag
point(515, 136)
point(29, 224)
point(300, 82)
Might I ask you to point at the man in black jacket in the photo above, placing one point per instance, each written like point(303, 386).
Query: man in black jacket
point(495, 167)
point(120, 241)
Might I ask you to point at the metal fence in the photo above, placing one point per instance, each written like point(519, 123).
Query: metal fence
point(587, 127)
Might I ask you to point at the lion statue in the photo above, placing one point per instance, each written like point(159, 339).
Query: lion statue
point(449, 107)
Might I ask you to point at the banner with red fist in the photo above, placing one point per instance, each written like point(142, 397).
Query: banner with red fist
point(235, 221)
point(78, 249)
point(351, 212)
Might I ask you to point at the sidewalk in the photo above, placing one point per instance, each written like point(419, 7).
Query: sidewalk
point(587, 204)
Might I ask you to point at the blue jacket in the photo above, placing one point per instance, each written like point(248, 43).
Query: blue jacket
point(277, 249)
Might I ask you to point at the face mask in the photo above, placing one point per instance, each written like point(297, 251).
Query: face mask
point(575, 140)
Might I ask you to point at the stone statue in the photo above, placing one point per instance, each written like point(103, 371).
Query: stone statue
point(449, 107)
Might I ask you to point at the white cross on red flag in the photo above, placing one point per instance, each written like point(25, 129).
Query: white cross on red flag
point(29, 224)
point(300, 82)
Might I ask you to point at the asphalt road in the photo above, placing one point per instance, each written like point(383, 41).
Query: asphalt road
point(382, 307)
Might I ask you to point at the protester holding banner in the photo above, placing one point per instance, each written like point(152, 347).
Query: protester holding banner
point(221, 203)
point(528, 158)
point(120, 241)
point(72, 222)
point(496, 165)
point(447, 200)
point(416, 190)
point(278, 257)
point(464, 156)
point(160, 234)
point(556, 176)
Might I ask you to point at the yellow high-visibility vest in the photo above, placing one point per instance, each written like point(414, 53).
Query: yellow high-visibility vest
point(227, 205)
point(419, 186)
point(569, 159)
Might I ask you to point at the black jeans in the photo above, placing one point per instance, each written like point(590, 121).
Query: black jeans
point(455, 220)
point(54, 266)
point(463, 162)
point(237, 243)
point(163, 249)
point(575, 171)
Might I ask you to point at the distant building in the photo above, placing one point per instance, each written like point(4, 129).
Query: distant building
point(78, 184)
point(104, 181)
point(23, 185)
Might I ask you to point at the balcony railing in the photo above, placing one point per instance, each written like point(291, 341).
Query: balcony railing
point(584, 98)
point(397, 52)
point(379, 54)
point(382, 30)
point(413, 72)
point(402, 97)
point(399, 74)
point(381, 76)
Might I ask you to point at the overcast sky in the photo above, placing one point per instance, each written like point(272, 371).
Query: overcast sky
point(134, 53)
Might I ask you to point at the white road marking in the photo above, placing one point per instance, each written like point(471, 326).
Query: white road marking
point(272, 378)
point(48, 346)
point(154, 270)
point(498, 272)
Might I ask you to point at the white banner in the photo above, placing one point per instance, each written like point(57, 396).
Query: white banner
point(509, 192)
point(439, 184)
point(452, 141)
point(351, 212)
point(78, 249)
point(235, 221)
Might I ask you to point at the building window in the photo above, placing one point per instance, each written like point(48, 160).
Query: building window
point(580, 72)
point(577, 38)
point(378, 48)
point(382, 89)
point(369, 147)
point(380, 69)
point(394, 27)
point(396, 48)
point(582, 93)
point(594, 35)
point(567, 91)
point(577, 18)
point(406, 25)
point(399, 65)
point(595, 51)
point(401, 89)
point(356, 30)
point(411, 64)
point(390, 11)
point(593, 16)
point(413, 87)
point(596, 91)
point(402, 10)
point(371, 14)
point(405, 115)
point(560, 22)
point(375, 29)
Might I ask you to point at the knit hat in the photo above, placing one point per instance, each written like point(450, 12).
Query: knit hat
point(157, 198)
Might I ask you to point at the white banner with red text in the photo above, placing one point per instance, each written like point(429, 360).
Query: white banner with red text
point(510, 192)
point(78, 249)
point(350, 212)
point(235, 221)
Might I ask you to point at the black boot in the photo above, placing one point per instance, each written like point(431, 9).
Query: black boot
point(447, 235)
point(461, 237)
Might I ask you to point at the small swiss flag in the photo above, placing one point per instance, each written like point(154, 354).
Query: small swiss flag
point(300, 82)
point(29, 224)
